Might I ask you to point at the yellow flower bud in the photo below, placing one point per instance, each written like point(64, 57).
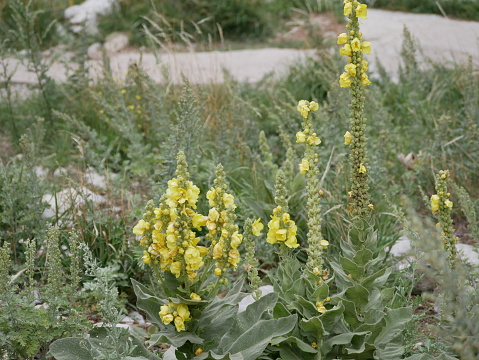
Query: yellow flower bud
point(348, 137)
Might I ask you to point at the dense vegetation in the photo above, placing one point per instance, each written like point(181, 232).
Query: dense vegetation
point(337, 295)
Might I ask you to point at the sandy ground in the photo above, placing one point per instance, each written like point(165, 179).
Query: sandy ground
point(440, 39)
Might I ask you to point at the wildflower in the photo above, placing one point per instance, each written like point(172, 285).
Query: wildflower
point(320, 307)
point(435, 201)
point(195, 297)
point(198, 351)
point(313, 106)
point(257, 227)
point(371, 206)
point(234, 257)
point(141, 227)
point(304, 166)
point(366, 47)
point(303, 108)
point(348, 137)
point(175, 268)
point(211, 195)
point(177, 313)
point(362, 11)
point(348, 8)
point(365, 80)
point(350, 69)
point(345, 80)
point(137, 97)
point(362, 169)
point(448, 204)
point(346, 50)
point(365, 65)
point(123, 91)
point(179, 324)
point(355, 45)
point(228, 201)
point(286, 234)
point(342, 38)
point(314, 140)
point(300, 137)
point(324, 243)
point(193, 258)
point(314, 345)
point(146, 257)
point(236, 240)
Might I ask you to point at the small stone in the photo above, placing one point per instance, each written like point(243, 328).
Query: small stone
point(127, 320)
point(116, 42)
point(94, 51)
point(61, 171)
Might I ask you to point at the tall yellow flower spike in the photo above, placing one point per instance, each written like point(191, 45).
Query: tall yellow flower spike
point(355, 78)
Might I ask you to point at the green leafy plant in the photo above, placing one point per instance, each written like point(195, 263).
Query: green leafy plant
point(33, 316)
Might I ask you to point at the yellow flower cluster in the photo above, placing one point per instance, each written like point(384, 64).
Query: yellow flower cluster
point(223, 233)
point(176, 313)
point(354, 46)
point(282, 229)
point(436, 203)
point(313, 139)
point(304, 107)
point(170, 242)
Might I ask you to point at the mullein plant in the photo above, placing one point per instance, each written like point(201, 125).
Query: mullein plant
point(309, 167)
point(441, 207)
point(356, 78)
point(373, 329)
point(187, 276)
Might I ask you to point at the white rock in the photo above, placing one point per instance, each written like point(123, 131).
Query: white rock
point(116, 42)
point(468, 253)
point(137, 317)
point(94, 51)
point(267, 289)
point(60, 171)
point(41, 171)
point(86, 14)
point(70, 198)
point(95, 179)
point(127, 320)
point(401, 247)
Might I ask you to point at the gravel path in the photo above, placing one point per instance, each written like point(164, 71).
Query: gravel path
point(440, 39)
